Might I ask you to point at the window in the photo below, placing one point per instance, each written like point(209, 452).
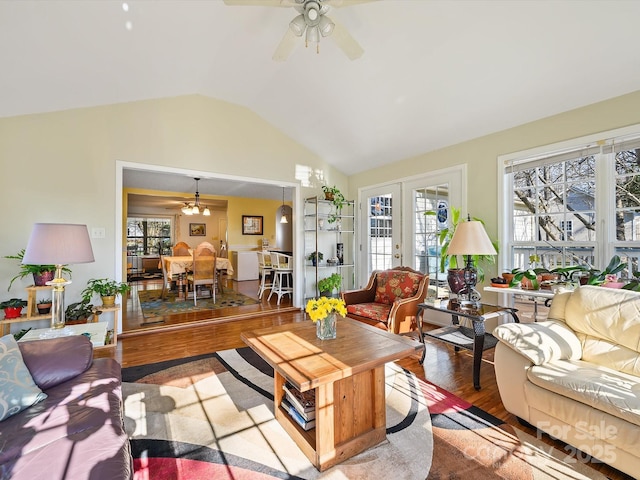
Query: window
point(577, 206)
point(148, 236)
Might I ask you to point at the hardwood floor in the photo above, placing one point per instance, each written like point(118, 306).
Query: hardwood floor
point(189, 335)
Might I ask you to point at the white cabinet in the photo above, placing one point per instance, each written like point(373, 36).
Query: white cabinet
point(332, 233)
point(245, 265)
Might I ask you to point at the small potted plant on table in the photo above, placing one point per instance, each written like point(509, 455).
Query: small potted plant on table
point(107, 289)
point(13, 307)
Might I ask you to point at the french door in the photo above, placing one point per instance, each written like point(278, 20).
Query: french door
point(395, 229)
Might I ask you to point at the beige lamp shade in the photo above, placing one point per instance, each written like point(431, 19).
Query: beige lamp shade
point(58, 244)
point(470, 238)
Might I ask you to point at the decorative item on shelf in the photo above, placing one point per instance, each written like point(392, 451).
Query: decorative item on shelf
point(315, 257)
point(80, 312)
point(41, 273)
point(327, 285)
point(470, 239)
point(332, 261)
point(13, 307)
point(340, 252)
point(107, 289)
point(335, 196)
point(323, 311)
point(455, 275)
point(59, 244)
point(44, 306)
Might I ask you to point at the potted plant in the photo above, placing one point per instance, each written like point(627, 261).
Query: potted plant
point(13, 307)
point(41, 273)
point(107, 289)
point(455, 265)
point(79, 312)
point(335, 196)
point(44, 306)
point(315, 257)
point(327, 285)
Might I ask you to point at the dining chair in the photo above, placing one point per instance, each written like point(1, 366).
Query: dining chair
point(265, 272)
point(181, 249)
point(282, 266)
point(203, 272)
point(207, 247)
point(166, 285)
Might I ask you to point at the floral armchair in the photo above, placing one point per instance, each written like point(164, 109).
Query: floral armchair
point(390, 299)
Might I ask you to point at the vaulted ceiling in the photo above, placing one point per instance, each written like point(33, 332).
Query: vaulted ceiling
point(433, 73)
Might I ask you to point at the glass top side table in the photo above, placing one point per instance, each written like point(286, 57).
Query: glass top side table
point(475, 339)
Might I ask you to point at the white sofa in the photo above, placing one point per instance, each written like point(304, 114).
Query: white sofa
point(576, 376)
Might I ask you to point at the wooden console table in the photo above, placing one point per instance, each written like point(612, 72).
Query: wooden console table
point(347, 374)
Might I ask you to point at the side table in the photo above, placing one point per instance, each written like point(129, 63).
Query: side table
point(475, 339)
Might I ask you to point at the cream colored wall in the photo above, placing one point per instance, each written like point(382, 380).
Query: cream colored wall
point(61, 166)
point(481, 154)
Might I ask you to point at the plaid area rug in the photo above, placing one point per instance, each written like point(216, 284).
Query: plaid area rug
point(211, 416)
point(153, 306)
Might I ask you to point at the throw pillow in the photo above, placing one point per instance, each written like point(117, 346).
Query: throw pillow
point(17, 388)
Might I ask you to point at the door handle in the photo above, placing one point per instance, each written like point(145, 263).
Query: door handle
point(397, 255)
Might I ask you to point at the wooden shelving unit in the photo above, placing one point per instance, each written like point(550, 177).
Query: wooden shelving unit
point(32, 315)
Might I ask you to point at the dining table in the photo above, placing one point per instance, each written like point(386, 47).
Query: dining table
point(177, 266)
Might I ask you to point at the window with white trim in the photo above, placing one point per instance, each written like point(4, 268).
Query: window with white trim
point(580, 205)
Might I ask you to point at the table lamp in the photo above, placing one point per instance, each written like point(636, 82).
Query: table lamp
point(58, 244)
point(469, 239)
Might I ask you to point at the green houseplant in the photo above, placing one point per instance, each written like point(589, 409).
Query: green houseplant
point(79, 312)
point(327, 285)
point(41, 273)
point(335, 196)
point(13, 307)
point(106, 288)
point(315, 257)
point(44, 306)
point(455, 264)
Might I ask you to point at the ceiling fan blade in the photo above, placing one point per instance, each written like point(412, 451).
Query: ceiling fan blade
point(346, 42)
point(286, 46)
point(345, 3)
point(262, 3)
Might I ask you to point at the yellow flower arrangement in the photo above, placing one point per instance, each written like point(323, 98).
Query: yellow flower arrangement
point(322, 307)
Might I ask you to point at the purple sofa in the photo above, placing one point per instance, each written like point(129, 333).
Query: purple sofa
point(77, 431)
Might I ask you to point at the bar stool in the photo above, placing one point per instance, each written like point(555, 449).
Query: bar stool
point(282, 266)
point(265, 270)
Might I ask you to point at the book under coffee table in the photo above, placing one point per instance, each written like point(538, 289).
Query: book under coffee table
point(347, 374)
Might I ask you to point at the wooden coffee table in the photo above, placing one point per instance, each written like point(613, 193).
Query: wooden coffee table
point(348, 376)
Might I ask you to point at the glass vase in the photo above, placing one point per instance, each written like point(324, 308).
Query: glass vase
point(326, 327)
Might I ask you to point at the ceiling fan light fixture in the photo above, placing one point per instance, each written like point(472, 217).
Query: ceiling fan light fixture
point(298, 25)
point(313, 35)
point(326, 26)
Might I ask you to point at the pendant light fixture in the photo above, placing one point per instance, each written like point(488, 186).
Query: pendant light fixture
point(194, 209)
point(283, 218)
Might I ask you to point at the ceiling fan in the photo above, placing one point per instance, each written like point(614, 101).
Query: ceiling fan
point(311, 22)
